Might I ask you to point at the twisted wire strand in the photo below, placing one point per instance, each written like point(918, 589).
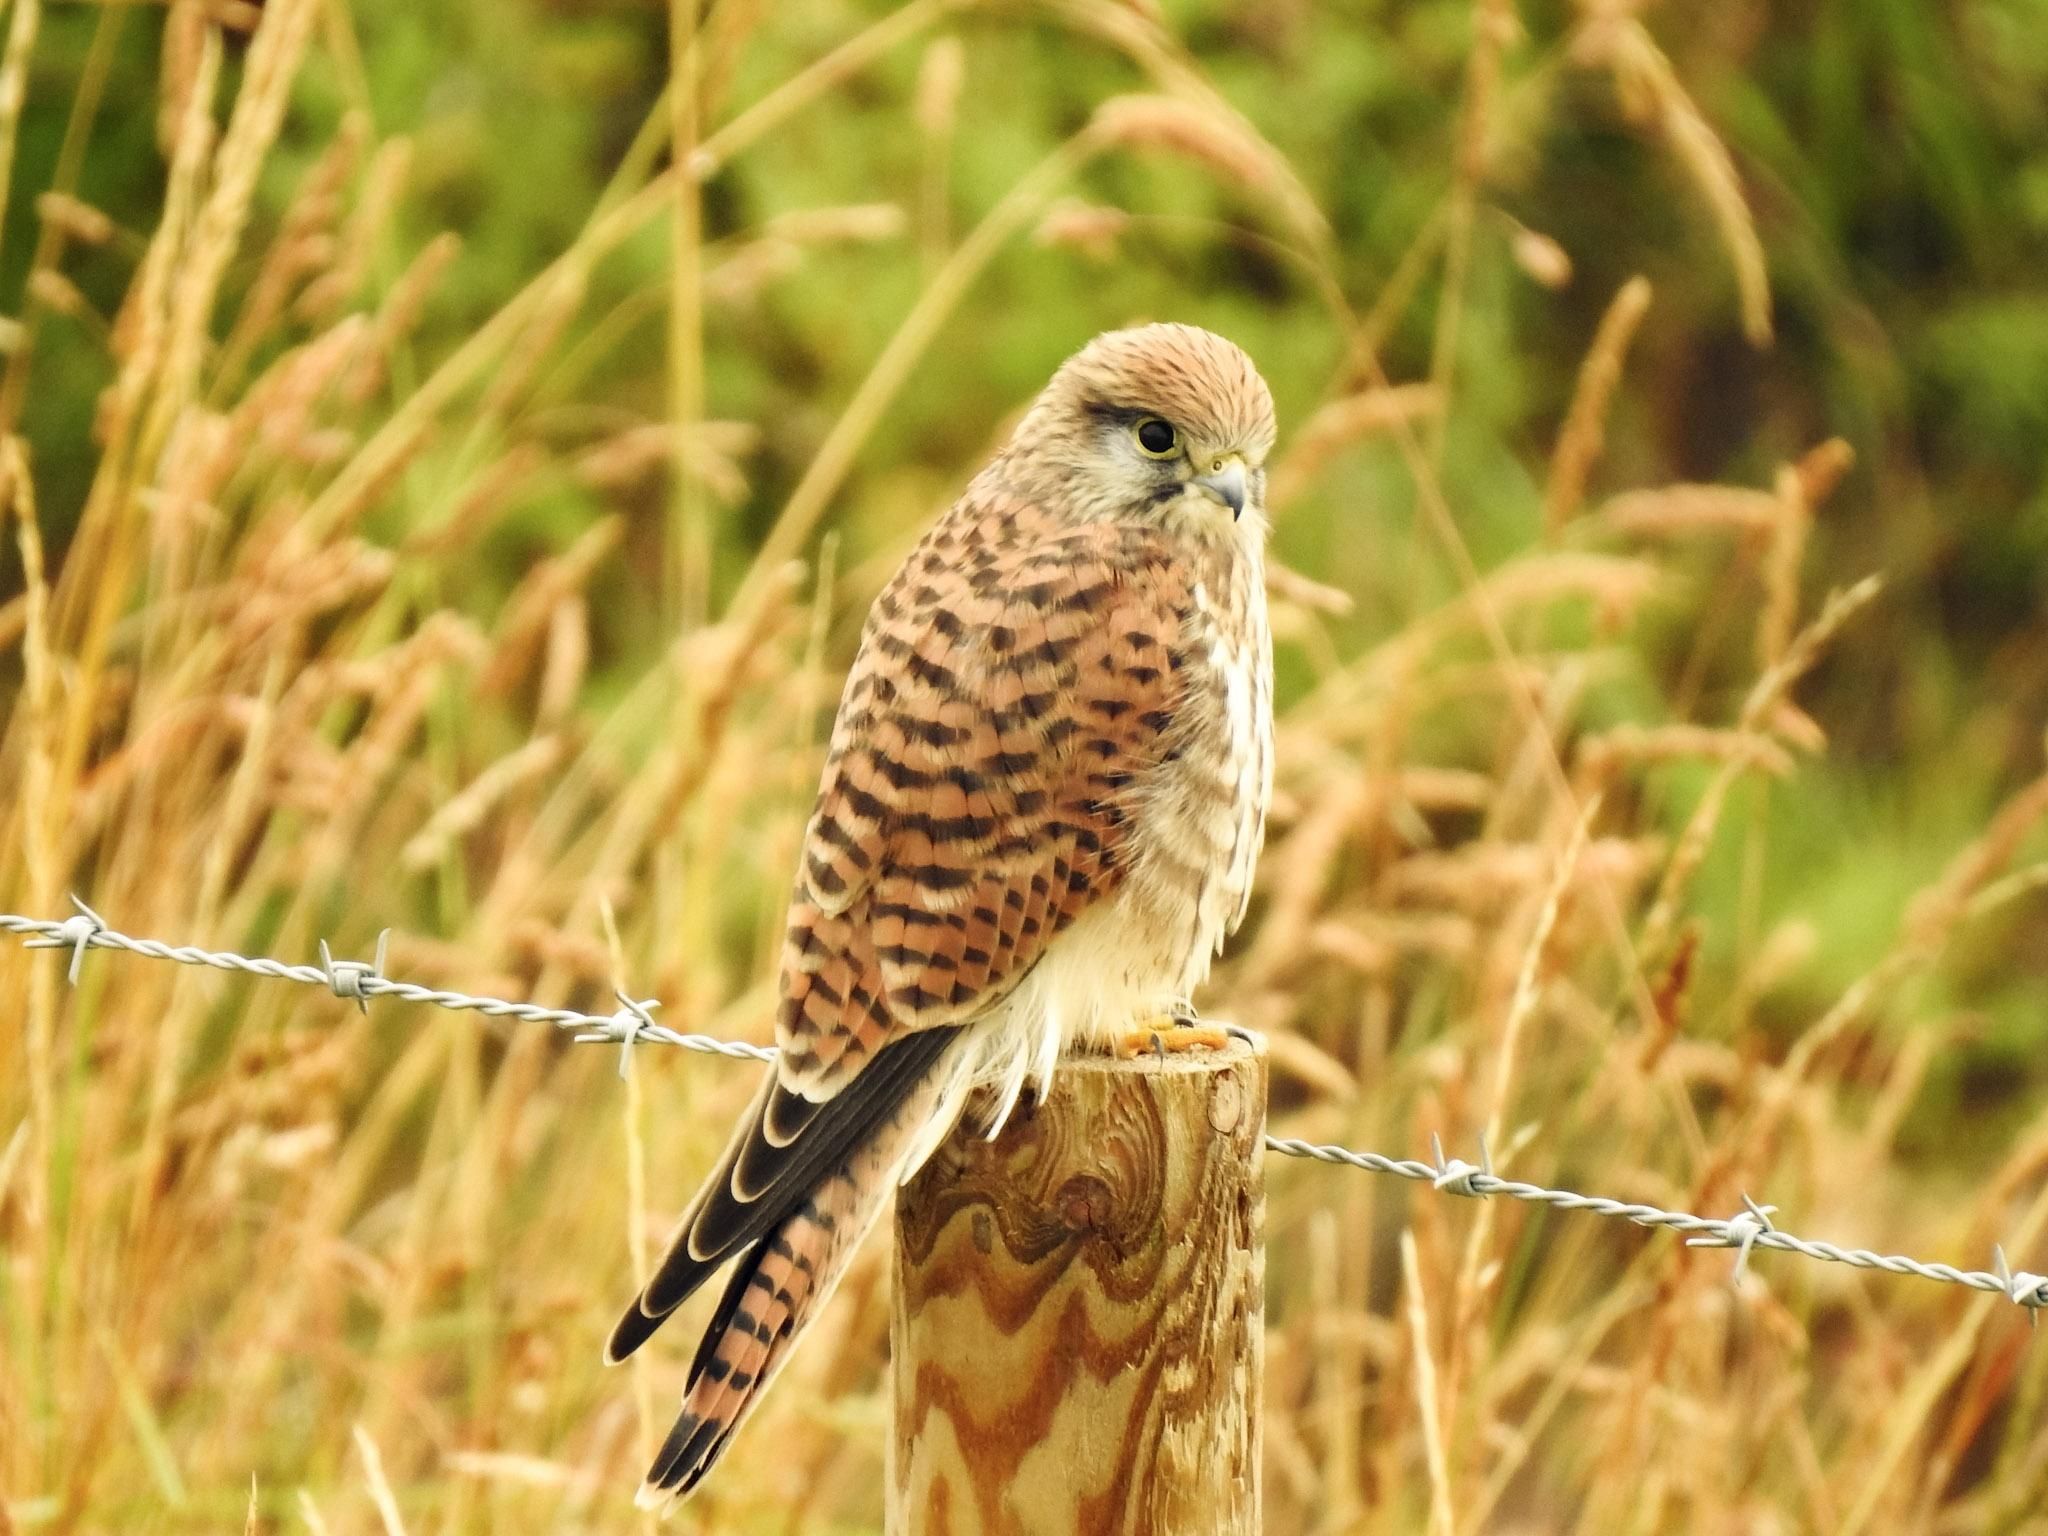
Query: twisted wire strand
point(1744, 1231)
point(352, 979)
point(355, 980)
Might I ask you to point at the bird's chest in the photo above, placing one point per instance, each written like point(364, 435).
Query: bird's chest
point(1205, 812)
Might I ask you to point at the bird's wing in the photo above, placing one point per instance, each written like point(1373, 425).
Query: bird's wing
point(975, 794)
point(1010, 687)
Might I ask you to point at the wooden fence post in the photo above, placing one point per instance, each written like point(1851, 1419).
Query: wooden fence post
point(1077, 1335)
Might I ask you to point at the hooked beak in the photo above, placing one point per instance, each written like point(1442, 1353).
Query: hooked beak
point(1227, 486)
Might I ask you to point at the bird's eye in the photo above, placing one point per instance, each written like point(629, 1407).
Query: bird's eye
point(1157, 438)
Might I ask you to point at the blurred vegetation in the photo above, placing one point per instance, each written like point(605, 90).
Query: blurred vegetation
point(1841, 210)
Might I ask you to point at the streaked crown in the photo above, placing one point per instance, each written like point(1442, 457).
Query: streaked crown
point(1192, 377)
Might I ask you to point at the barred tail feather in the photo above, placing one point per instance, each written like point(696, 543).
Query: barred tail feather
point(774, 1291)
point(779, 1284)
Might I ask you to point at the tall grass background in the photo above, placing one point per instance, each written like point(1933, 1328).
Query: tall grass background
point(429, 502)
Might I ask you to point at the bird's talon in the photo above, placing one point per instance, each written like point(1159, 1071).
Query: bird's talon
point(1160, 1037)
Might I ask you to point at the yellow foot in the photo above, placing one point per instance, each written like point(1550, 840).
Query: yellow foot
point(1156, 1037)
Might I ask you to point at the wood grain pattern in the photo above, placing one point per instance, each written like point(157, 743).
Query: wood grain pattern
point(1078, 1327)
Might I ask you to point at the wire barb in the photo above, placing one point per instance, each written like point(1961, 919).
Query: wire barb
point(2023, 1289)
point(630, 1023)
point(1739, 1231)
point(76, 933)
point(350, 978)
point(1456, 1177)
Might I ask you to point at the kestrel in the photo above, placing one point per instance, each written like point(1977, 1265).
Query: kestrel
point(1044, 797)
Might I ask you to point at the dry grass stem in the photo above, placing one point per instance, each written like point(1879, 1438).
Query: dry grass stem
point(21, 42)
point(1650, 90)
point(1758, 711)
point(1585, 426)
point(1678, 511)
point(1495, 28)
point(1442, 1520)
point(381, 1496)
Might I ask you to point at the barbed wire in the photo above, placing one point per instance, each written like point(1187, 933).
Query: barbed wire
point(359, 981)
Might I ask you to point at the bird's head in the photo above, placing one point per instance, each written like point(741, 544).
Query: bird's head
point(1164, 423)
